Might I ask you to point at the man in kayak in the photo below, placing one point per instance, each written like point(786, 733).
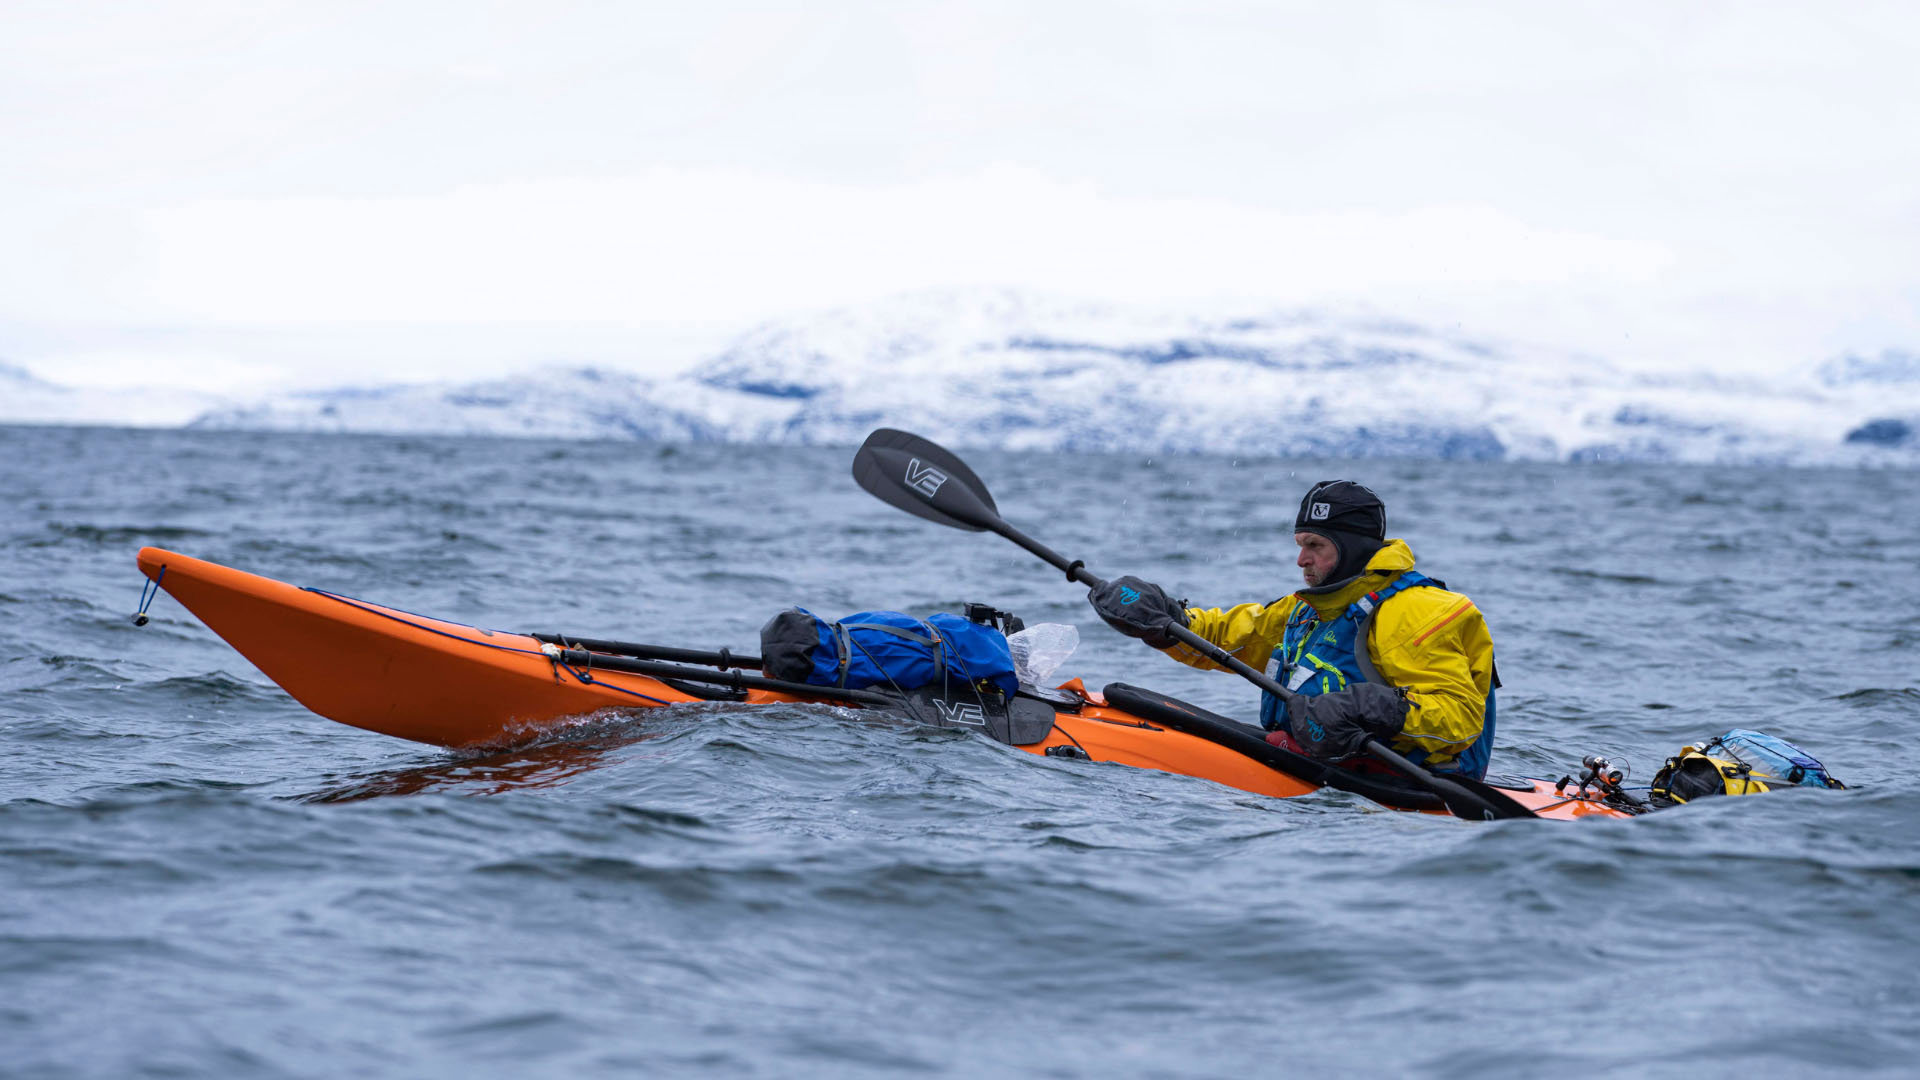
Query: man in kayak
point(1374, 648)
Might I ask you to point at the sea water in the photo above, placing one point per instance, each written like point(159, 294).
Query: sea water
point(199, 877)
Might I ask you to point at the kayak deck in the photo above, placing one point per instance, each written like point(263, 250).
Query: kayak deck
point(450, 684)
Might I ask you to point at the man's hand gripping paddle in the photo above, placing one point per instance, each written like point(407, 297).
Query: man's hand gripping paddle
point(927, 480)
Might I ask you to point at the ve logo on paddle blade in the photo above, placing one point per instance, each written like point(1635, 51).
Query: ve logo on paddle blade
point(1128, 594)
point(924, 479)
point(962, 714)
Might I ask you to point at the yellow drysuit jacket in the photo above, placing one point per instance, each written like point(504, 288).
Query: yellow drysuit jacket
point(1430, 642)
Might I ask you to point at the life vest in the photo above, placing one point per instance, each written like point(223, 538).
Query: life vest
point(1319, 656)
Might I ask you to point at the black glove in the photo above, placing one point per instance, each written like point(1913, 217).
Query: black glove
point(1139, 609)
point(1336, 726)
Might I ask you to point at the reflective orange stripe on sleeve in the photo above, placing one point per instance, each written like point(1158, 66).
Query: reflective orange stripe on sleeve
point(1464, 606)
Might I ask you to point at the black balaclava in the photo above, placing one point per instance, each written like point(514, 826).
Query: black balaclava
point(1351, 516)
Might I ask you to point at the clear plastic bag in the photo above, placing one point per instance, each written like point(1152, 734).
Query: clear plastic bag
point(1038, 651)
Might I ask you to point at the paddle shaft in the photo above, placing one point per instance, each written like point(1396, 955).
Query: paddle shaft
point(724, 658)
point(1077, 571)
point(592, 661)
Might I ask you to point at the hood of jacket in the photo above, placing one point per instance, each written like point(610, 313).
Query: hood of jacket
point(1335, 597)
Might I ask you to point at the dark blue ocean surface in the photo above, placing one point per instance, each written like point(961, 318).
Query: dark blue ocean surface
point(199, 877)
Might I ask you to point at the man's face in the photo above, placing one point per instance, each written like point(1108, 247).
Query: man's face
point(1318, 557)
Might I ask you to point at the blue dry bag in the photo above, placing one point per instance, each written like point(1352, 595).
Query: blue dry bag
point(1772, 756)
point(886, 649)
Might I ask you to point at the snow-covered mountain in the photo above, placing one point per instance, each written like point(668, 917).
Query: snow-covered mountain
point(28, 399)
point(1013, 370)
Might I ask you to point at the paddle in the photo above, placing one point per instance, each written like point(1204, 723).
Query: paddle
point(927, 480)
point(1022, 723)
point(724, 658)
point(589, 661)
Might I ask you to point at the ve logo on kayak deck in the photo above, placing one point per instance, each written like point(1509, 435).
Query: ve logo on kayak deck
point(962, 714)
point(924, 479)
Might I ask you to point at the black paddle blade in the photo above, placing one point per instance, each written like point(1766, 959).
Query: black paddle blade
point(924, 479)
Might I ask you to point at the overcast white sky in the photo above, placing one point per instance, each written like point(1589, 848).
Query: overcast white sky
point(239, 195)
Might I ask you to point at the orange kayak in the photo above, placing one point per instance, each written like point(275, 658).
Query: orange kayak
point(454, 685)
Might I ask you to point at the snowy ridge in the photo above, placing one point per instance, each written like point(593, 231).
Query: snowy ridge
point(25, 398)
point(1010, 369)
